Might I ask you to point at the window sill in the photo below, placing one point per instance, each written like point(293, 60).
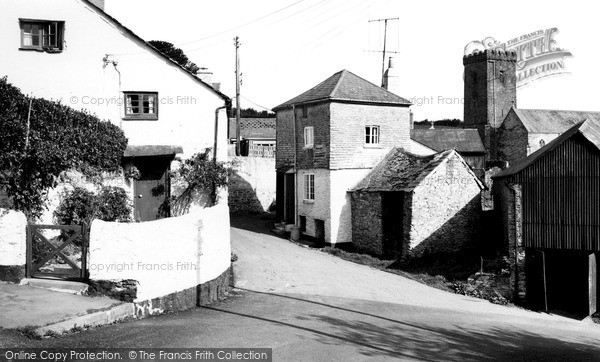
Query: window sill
point(306, 201)
point(129, 118)
point(370, 145)
point(42, 50)
point(309, 147)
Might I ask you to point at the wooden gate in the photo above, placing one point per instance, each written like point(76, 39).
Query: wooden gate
point(57, 251)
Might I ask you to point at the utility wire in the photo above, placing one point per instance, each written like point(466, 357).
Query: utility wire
point(229, 30)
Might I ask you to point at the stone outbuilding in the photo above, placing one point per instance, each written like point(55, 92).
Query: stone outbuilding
point(549, 208)
point(409, 205)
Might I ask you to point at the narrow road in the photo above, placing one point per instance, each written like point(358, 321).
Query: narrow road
point(311, 306)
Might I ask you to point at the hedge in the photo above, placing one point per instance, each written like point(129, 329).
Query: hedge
point(59, 138)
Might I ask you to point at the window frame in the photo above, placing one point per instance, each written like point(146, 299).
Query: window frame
point(310, 130)
point(43, 35)
point(371, 139)
point(140, 116)
point(309, 187)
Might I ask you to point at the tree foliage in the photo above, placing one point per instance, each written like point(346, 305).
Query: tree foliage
point(252, 113)
point(57, 138)
point(441, 123)
point(176, 54)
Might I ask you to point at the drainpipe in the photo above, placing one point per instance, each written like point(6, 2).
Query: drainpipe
point(227, 105)
point(213, 194)
point(295, 168)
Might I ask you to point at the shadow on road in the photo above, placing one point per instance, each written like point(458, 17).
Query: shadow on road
point(379, 336)
point(257, 223)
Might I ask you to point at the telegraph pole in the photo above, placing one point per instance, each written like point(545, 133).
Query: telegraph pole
point(385, 22)
point(237, 96)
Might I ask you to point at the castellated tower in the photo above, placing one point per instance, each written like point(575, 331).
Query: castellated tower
point(490, 91)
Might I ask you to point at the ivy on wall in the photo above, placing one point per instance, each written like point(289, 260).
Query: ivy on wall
point(55, 139)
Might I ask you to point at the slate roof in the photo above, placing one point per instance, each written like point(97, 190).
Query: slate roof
point(253, 128)
point(403, 171)
point(590, 129)
point(462, 140)
point(151, 150)
point(346, 86)
point(552, 121)
point(124, 29)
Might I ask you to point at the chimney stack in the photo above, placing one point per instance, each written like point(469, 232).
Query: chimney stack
point(391, 80)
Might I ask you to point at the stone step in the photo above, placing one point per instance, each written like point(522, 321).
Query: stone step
point(57, 285)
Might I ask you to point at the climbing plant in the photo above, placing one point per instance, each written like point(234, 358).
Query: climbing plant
point(42, 138)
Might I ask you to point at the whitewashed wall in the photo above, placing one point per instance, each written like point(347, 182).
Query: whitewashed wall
point(79, 77)
point(164, 256)
point(13, 238)
point(341, 210)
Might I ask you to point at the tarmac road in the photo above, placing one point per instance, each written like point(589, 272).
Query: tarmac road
point(311, 306)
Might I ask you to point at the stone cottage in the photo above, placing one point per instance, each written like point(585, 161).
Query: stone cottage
point(548, 205)
point(328, 139)
point(410, 205)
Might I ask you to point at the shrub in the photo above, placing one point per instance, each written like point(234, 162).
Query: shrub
point(56, 138)
point(81, 205)
point(113, 204)
point(77, 207)
point(200, 173)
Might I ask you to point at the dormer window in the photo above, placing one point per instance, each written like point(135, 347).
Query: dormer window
point(42, 35)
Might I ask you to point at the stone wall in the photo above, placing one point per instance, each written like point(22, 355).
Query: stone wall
point(284, 153)
point(445, 210)
point(317, 116)
point(252, 184)
point(163, 256)
point(490, 91)
point(367, 222)
point(513, 142)
point(348, 121)
point(13, 245)
point(509, 198)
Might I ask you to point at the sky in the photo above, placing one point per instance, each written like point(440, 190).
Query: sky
point(289, 46)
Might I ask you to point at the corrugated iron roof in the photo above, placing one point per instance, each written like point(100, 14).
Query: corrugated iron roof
point(403, 171)
point(346, 86)
point(552, 121)
point(253, 128)
point(460, 139)
point(590, 129)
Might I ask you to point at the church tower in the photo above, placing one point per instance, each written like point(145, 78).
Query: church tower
point(490, 91)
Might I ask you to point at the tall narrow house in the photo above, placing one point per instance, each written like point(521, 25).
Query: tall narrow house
point(328, 139)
